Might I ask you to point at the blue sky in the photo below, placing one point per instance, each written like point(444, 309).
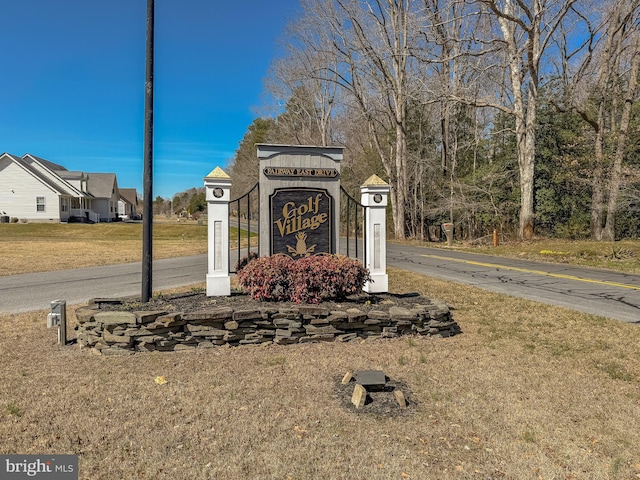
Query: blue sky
point(73, 74)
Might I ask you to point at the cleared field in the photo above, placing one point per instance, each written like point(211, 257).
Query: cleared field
point(527, 391)
point(34, 247)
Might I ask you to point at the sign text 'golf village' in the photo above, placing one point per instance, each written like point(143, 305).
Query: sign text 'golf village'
point(301, 221)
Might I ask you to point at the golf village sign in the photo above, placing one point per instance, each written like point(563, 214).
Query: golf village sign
point(301, 186)
point(299, 197)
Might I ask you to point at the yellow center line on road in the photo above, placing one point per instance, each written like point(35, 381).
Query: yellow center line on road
point(536, 272)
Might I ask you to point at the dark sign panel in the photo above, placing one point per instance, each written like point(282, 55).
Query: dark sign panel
point(301, 221)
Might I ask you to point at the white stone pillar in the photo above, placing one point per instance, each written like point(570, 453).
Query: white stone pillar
point(374, 195)
point(218, 186)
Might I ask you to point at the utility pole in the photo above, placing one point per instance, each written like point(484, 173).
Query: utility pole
point(147, 218)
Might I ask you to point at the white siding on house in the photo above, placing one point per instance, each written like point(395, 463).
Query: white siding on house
point(18, 192)
point(127, 203)
point(80, 184)
point(106, 207)
point(104, 189)
point(125, 209)
point(35, 189)
point(113, 201)
point(101, 207)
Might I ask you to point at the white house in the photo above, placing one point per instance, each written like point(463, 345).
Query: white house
point(37, 190)
point(128, 204)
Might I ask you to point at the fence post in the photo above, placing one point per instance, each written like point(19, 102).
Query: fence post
point(374, 196)
point(218, 186)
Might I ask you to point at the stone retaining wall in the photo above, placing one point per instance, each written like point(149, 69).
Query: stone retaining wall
point(114, 332)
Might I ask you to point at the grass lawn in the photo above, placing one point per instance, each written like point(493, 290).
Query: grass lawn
point(60, 246)
point(38, 247)
point(527, 391)
point(622, 256)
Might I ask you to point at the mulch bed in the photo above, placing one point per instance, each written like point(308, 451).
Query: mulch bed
point(198, 301)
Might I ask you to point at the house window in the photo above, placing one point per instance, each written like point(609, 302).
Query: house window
point(64, 204)
point(40, 204)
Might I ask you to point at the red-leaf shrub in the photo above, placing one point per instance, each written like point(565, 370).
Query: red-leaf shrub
point(240, 264)
point(267, 278)
point(307, 280)
point(326, 277)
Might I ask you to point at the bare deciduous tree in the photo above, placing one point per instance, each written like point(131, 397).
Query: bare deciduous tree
point(602, 88)
point(526, 29)
point(368, 45)
point(305, 81)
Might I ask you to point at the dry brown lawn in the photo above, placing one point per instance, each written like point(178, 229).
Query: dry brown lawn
point(527, 391)
point(37, 247)
point(623, 255)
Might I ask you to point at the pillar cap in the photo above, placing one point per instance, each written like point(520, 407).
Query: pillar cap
point(374, 180)
point(217, 173)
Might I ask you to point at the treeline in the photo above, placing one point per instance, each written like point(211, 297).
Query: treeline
point(191, 204)
point(516, 115)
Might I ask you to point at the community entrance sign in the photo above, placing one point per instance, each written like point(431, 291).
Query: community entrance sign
point(299, 212)
point(301, 186)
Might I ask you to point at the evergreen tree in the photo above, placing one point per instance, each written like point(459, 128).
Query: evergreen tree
point(244, 165)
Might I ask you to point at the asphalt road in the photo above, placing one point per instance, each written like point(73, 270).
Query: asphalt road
point(609, 294)
point(599, 292)
point(35, 291)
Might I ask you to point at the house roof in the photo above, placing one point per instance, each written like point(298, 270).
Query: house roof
point(44, 174)
point(70, 175)
point(101, 185)
point(129, 195)
point(9, 155)
point(50, 165)
point(55, 176)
